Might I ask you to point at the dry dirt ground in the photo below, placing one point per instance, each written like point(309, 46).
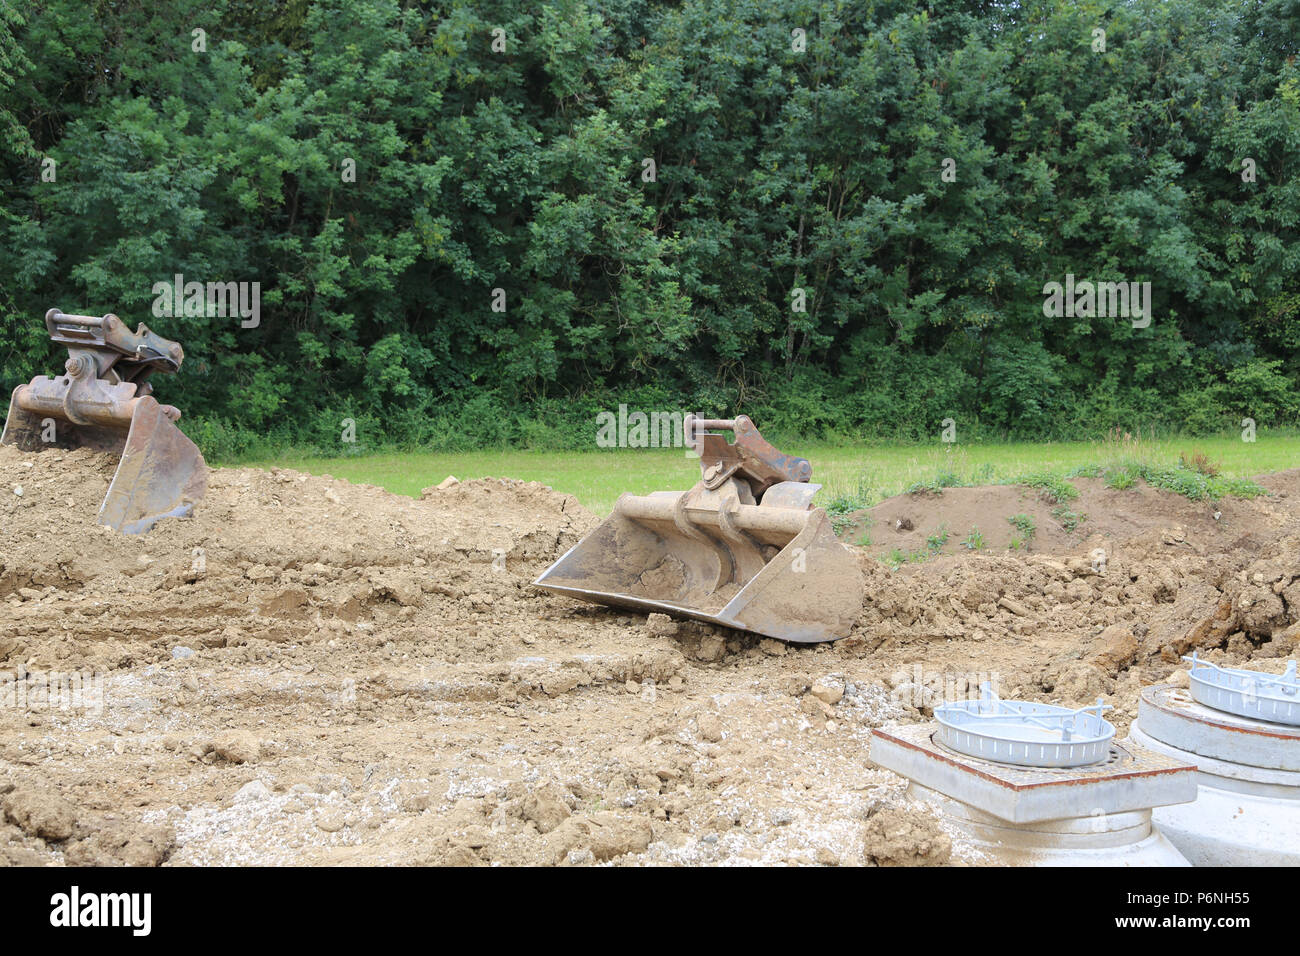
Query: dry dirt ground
point(310, 671)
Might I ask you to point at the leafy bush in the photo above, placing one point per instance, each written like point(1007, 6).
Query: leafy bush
point(500, 270)
point(1260, 390)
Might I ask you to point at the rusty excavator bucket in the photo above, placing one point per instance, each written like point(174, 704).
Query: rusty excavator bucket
point(105, 402)
point(744, 548)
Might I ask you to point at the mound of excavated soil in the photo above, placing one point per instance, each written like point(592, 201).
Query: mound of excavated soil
point(1147, 577)
point(309, 671)
point(276, 556)
point(1099, 517)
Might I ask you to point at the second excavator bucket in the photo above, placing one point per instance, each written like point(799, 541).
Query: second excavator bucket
point(744, 548)
point(104, 402)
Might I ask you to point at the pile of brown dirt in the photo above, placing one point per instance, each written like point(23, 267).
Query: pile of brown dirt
point(1098, 517)
point(1104, 612)
point(275, 556)
point(310, 671)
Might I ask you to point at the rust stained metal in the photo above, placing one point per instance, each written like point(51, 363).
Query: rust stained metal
point(1073, 777)
point(104, 401)
point(743, 548)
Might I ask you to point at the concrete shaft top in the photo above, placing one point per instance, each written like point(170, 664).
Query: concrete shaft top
point(1132, 778)
point(1170, 715)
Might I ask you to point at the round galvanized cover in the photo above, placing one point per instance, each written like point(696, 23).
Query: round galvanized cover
point(1253, 694)
point(1025, 733)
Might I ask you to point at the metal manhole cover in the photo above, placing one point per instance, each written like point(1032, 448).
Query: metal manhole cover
point(1253, 694)
point(1025, 733)
point(1116, 758)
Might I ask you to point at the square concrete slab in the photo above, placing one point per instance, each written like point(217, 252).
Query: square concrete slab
point(1132, 778)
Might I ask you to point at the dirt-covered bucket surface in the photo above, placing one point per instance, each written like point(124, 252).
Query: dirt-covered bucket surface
point(309, 671)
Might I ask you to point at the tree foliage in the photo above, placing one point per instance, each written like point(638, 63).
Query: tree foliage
point(654, 187)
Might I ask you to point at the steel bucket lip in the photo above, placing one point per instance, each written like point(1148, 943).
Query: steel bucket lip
point(630, 598)
point(615, 599)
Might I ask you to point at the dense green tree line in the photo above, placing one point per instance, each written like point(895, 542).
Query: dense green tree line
point(839, 217)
